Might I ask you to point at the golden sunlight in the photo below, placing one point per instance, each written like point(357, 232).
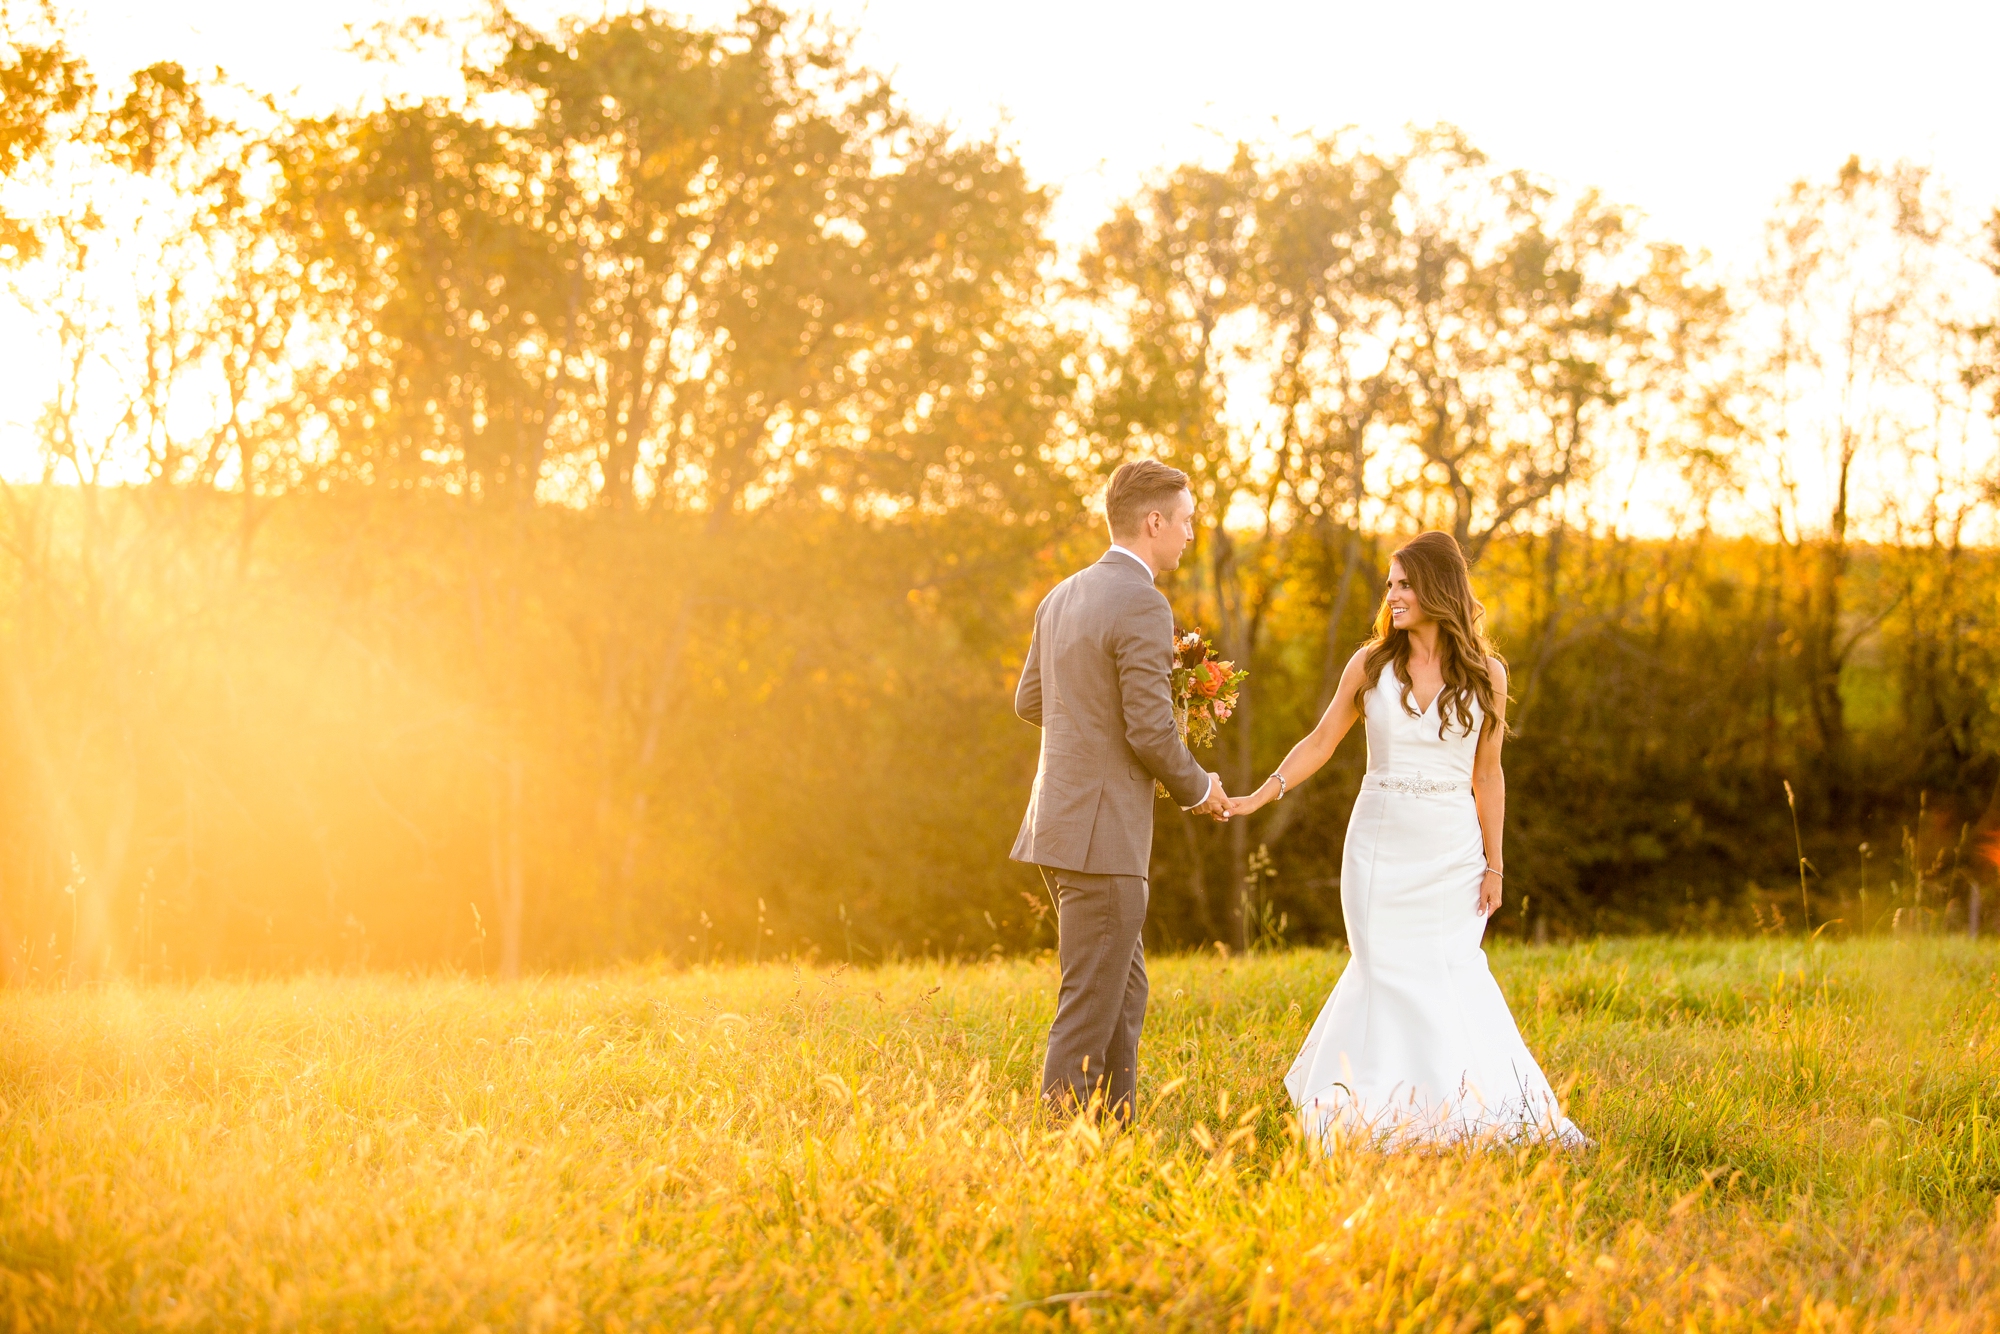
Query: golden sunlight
point(1290, 667)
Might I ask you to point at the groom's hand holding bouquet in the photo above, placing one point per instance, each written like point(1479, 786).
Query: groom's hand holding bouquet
point(1204, 689)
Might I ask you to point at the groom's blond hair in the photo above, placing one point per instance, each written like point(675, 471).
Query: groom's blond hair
point(1137, 489)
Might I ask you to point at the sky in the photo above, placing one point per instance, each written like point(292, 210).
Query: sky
point(1700, 113)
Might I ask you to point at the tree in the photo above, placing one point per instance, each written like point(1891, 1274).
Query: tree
point(1179, 265)
point(155, 279)
point(1328, 227)
point(1290, 323)
point(667, 271)
point(1850, 297)
point(43, 89)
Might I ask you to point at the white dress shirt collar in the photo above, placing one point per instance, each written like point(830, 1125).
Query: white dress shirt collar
point(1135, 556)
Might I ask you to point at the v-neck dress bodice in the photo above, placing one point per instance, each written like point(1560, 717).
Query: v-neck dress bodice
point(1416, 1044)
point(1416, 746)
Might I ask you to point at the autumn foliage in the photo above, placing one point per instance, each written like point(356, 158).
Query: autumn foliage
point(598, 516)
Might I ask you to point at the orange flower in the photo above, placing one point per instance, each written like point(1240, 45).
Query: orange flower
point(1208, 678)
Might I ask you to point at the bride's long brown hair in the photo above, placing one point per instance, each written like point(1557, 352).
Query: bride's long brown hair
point(1437, 573)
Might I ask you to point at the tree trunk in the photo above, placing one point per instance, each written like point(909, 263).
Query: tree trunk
point(1334, 663)
point(509, 875)
point(1239, 830)
point(1234, 637)
point(659, 705)
point(1204, 910)
point(1823, 655)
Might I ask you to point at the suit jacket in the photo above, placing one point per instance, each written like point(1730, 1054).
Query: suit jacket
point(1096, 683)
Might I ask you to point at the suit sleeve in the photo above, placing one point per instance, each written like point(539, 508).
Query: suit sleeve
point(1143, 643)
point(1028, 695)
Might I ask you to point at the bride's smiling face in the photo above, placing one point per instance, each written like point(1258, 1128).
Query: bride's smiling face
point(1405, 611)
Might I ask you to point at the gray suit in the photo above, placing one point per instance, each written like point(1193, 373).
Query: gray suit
point(1096, 683)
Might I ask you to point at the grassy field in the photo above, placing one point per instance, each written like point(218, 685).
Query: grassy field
point(1789, 1138)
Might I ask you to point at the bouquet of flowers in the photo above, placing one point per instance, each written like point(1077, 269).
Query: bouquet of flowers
point(1203, 688)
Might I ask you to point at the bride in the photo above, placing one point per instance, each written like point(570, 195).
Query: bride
point(1416, 1044)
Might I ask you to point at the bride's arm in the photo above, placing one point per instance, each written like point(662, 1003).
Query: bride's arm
point(1489, 792)
point(1318, 745)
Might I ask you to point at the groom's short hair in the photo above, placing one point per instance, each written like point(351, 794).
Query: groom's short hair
point(1137, 489)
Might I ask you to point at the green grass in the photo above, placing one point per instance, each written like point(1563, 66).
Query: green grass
point(1788, 1139)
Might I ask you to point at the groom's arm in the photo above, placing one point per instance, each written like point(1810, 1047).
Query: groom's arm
point(1028, 695)
point(1143, 643)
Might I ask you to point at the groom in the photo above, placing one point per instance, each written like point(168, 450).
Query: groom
point(1096, 683)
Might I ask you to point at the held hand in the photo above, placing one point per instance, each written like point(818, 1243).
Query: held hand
point(1255, 801)
point(1489, 893)
point(1217, 803)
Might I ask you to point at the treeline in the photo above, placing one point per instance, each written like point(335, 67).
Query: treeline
point(597, 514)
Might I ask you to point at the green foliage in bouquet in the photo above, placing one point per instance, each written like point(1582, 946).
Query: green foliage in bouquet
point(1204, 690)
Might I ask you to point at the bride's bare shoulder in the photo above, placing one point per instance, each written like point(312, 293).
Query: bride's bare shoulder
point(1498, 671)
point(1351, 675)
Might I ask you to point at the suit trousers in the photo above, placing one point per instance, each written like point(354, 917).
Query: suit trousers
point(1094, 1041)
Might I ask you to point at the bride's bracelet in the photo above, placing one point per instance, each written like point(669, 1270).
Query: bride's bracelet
point(1281, 786)
point(1494, 870)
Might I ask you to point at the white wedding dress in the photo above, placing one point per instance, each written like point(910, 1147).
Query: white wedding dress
point(1416, 1045)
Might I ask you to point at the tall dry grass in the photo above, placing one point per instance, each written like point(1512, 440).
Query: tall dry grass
point(1788, 1139)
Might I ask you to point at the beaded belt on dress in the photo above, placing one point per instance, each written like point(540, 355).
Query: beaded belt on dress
point(1413, 785)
